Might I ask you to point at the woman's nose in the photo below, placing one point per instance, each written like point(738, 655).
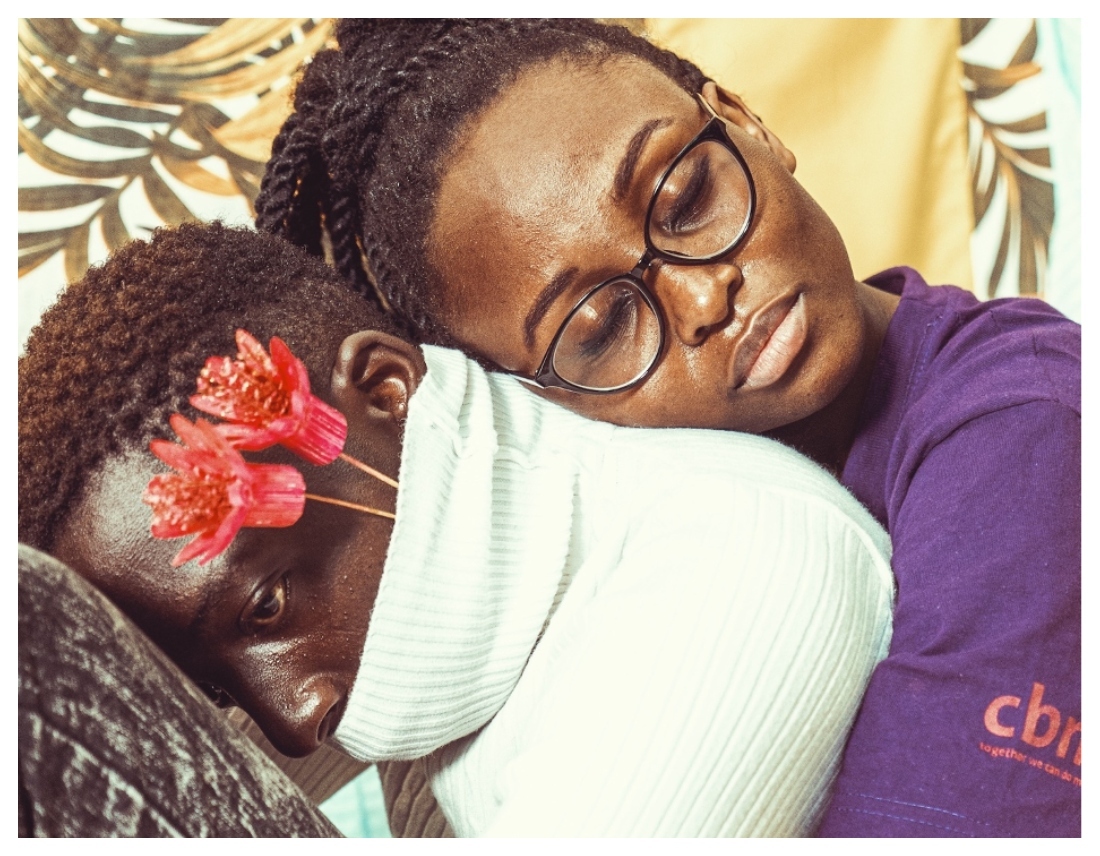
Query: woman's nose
point(296, 717)
point(697, 299)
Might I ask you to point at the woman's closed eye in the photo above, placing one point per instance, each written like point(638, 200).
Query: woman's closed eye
point(684, 202)
point(616, 319)
point(266, 608)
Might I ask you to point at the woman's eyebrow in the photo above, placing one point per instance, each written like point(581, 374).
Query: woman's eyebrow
point(544, 301)
point(624, 175)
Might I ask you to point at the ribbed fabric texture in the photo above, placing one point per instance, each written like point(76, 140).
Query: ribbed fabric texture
point(478, 553)
point(656, 632)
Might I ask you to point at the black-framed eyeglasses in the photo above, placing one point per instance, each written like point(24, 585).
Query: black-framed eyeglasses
point(701, 210)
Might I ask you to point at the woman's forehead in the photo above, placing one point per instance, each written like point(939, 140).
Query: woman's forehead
point(546, 151)
point(571, 100)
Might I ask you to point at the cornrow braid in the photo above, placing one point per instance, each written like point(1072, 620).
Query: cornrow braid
point(386, 108)
point(297, 156)
point(279, 182)
point(349, 145)
point(119, 351)
point(289, 202)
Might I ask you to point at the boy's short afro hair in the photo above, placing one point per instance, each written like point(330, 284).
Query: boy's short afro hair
point(121, 349)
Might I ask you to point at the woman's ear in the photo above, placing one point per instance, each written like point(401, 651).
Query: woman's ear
point(375, 375)
point(731, 108)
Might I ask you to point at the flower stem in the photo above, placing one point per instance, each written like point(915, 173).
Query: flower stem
point(352, 505)
point(370, 471)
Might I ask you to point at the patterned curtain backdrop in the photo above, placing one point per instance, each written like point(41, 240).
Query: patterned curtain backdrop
point(1023, 84)
point(126, 125)
point(1009, 155)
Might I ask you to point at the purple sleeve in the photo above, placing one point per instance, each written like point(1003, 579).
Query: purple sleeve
point(972, 725)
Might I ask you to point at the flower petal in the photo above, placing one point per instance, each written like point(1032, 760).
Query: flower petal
point(198, 438)
point(278, 496)
point(291, 370)
point(223, 536)
point(176, 456)
point(248, 437)
point(212, 542)
point(252, 353)
point(322, 435)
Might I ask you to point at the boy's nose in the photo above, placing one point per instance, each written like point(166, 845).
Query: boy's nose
point(298, 717)
point(696, 299)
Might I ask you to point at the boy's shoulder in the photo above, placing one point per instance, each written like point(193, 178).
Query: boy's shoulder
point(701, 471)
point(629, 475)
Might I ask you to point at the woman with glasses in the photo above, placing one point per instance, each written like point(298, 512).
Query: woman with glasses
point(570, 204)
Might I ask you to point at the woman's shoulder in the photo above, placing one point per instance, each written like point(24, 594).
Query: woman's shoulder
point(961, 352)
point(951, 361)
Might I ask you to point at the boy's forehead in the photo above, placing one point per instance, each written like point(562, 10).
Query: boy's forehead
point(106, 539)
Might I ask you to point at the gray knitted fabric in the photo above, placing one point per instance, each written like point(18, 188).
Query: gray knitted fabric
point(115, 742)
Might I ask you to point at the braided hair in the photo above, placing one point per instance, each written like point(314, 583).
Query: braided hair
point(120, 350)
point(360, 159)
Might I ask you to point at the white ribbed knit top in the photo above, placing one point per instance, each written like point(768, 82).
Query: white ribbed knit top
point(608, 631)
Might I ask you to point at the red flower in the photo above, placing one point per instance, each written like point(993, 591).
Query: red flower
point(267, 400)
point(215, 491)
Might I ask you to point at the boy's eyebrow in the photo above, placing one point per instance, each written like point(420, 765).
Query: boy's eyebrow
point(200, 613)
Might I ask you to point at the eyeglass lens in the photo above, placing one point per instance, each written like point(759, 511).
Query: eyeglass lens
point(610, 340)
point(701, 209)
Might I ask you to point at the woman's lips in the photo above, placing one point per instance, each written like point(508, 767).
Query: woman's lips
point(774, 338)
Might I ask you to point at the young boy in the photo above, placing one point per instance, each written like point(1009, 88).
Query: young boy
point(588, 630)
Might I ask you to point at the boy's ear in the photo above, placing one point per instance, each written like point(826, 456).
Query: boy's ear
point(731, 108)
point(375, 375)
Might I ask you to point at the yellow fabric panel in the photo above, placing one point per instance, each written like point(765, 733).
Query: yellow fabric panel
point(875, 114)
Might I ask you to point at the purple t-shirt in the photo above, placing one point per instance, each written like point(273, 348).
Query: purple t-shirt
point(969, 452)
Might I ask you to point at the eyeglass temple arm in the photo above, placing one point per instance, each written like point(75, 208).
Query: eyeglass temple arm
point(706, 105)
point(530, 381)
point(711, 110)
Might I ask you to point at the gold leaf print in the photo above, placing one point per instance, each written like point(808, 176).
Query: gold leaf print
point(1010, 161)
point(130, 123)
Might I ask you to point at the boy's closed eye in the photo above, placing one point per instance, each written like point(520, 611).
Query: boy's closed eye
point(263, 611)
point(217, 695)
